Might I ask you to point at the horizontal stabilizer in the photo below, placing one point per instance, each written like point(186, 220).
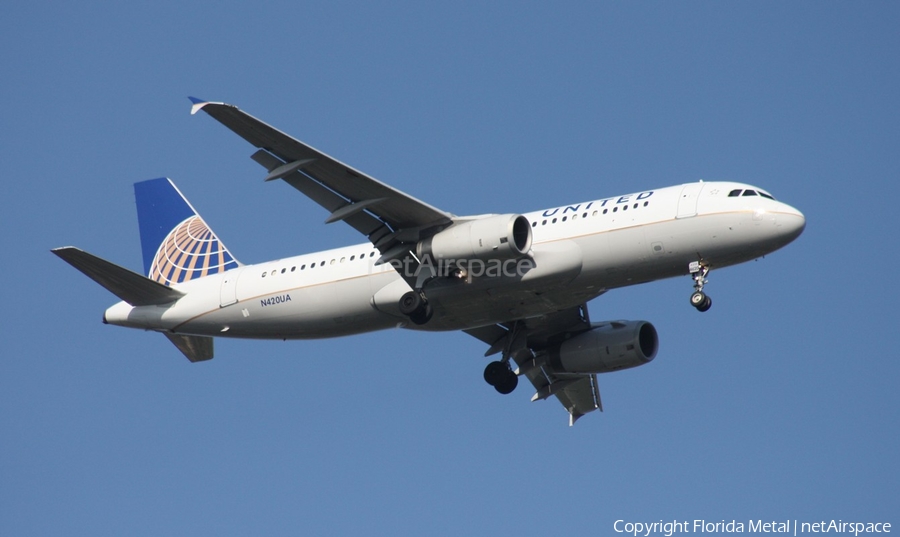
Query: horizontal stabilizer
point(195, 348)
point(129, 286)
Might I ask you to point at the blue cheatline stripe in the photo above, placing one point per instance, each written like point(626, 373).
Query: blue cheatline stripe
point(160, 208)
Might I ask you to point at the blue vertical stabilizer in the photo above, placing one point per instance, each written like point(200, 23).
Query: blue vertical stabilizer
point(177, 244)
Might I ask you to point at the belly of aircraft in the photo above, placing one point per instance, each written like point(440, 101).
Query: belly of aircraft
point(337, 309)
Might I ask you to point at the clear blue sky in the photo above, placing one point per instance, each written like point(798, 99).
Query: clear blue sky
point(781, 402)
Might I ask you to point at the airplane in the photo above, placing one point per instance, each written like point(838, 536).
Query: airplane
point(520, 283)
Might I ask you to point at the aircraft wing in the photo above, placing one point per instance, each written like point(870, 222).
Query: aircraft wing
point(527, 343)
point(391, 219)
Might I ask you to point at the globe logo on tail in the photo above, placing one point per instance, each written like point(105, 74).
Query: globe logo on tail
point(190, 251)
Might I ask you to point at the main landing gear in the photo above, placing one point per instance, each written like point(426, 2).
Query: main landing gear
point(414, 305)
point(699, 270)
point(500, 374)
point(501, 377)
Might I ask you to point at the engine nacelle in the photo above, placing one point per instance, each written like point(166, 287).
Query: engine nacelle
point(608, 346)
point(504, 236)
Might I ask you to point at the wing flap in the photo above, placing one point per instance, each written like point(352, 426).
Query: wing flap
point(363, 222)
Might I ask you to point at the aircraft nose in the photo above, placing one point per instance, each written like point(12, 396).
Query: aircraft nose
point(792, 222)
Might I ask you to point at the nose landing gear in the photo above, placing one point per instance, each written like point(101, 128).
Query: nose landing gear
point(699, 299)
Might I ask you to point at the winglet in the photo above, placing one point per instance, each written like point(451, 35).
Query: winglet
point(573, 417)
point(199, 104)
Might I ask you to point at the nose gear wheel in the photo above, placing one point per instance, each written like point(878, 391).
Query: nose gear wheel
point(700, 301)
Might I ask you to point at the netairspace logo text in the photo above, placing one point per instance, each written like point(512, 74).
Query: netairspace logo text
point(789, 527)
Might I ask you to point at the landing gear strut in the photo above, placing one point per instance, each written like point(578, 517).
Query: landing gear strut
point(501, 377)
point(699, 299)
point(414, 305)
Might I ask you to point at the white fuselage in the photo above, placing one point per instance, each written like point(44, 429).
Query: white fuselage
point(579, 252)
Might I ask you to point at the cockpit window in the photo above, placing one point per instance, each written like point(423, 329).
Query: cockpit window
point(740, 192)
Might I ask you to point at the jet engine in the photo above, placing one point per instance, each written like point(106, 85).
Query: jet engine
point(606, 347)
point(504, 236)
